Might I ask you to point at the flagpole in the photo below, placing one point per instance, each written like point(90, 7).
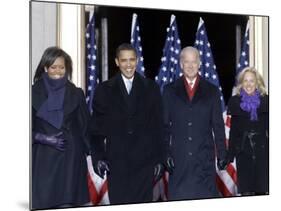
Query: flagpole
point(173, 17)
point(104, 48)
point(135, 16)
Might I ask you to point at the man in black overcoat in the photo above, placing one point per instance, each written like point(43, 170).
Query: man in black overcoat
point(126, 131)
point(194, 129)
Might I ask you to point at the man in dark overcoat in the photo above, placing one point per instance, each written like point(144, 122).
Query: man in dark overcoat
point(126, 131)
point(194, 129)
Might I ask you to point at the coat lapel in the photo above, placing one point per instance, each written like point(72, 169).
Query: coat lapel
point(119, 92)
point(121, 96)
point(180, 90)
point(199, 92)
point(71, 100)
point(39, 94)
point(137, 94)
point(182, 94)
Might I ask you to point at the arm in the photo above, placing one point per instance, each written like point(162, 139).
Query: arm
point(83, 120)
point(157, 123)
point(234, 131)
point(218, 127)
point(167, 137)
point(96, 132)
point(55, 141)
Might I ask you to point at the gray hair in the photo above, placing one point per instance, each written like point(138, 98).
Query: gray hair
point(190, 49)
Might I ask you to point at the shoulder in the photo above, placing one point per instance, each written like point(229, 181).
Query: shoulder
point(38, 85)
point(208, 86)
point(264, 106)
point(173, 85)
point(264, 99)
point(75, 92)
point(105, 85)
point(149, 83)
point(233, 105)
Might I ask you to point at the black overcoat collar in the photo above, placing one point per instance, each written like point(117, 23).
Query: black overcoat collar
point(182, 94)
point(39, 95)
point(121, 96)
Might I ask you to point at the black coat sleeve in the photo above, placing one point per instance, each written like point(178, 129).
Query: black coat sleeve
point(218, 126)
point(83, 119)
point(167, 136)
point(156, 122)
point(96, 133)
point(232, 110)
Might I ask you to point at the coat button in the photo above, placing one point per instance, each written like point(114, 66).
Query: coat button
point(189, 123)
point(190, 153)
point(130, 132)
point(190, 138)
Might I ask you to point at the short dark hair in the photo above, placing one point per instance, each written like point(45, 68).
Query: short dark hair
point(125, 46)
point(48, 58)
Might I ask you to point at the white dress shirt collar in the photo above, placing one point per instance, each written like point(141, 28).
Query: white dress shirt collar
point(191, 82)
point(128, 83)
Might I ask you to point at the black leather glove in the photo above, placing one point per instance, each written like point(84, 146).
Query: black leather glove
point(158, 172)
point(56, 141)
point(170, 165)
point(101, 167)
point(222, 164)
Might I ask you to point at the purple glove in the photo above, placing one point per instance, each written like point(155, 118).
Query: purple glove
point(57, 141)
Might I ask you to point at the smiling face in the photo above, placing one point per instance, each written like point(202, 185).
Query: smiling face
point(189, 63)
point(57, 69)
point(127, 63)
point(249, 83)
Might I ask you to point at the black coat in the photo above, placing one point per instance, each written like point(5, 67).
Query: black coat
point(189, 129)
point(60, 177)
point(132, 127)
point(251, 161)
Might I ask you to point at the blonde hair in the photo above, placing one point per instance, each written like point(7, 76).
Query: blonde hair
point(259, 80)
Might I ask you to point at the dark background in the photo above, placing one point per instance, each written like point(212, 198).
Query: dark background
point(221, 30)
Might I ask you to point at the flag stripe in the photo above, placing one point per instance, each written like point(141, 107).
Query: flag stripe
point(232, 172)
point(94, 196)
point(223, 188)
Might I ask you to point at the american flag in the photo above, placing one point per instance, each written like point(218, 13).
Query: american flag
point(231, 168)
point(136, 42)
point(92, 72)
point(97, 186)
point(207, 67)
point(244, 56)
point(170, 68)
point(169, 71)
point(226, 179)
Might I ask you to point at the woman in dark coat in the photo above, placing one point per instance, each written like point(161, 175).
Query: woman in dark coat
point(59, 121)
point(249, 133)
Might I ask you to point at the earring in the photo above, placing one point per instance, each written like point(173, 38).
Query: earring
point(46, 70)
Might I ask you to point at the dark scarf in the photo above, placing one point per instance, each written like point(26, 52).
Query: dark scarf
point(250, 103)
point(51, 110)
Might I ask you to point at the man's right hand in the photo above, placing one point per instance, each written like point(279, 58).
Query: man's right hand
point(101, 167)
